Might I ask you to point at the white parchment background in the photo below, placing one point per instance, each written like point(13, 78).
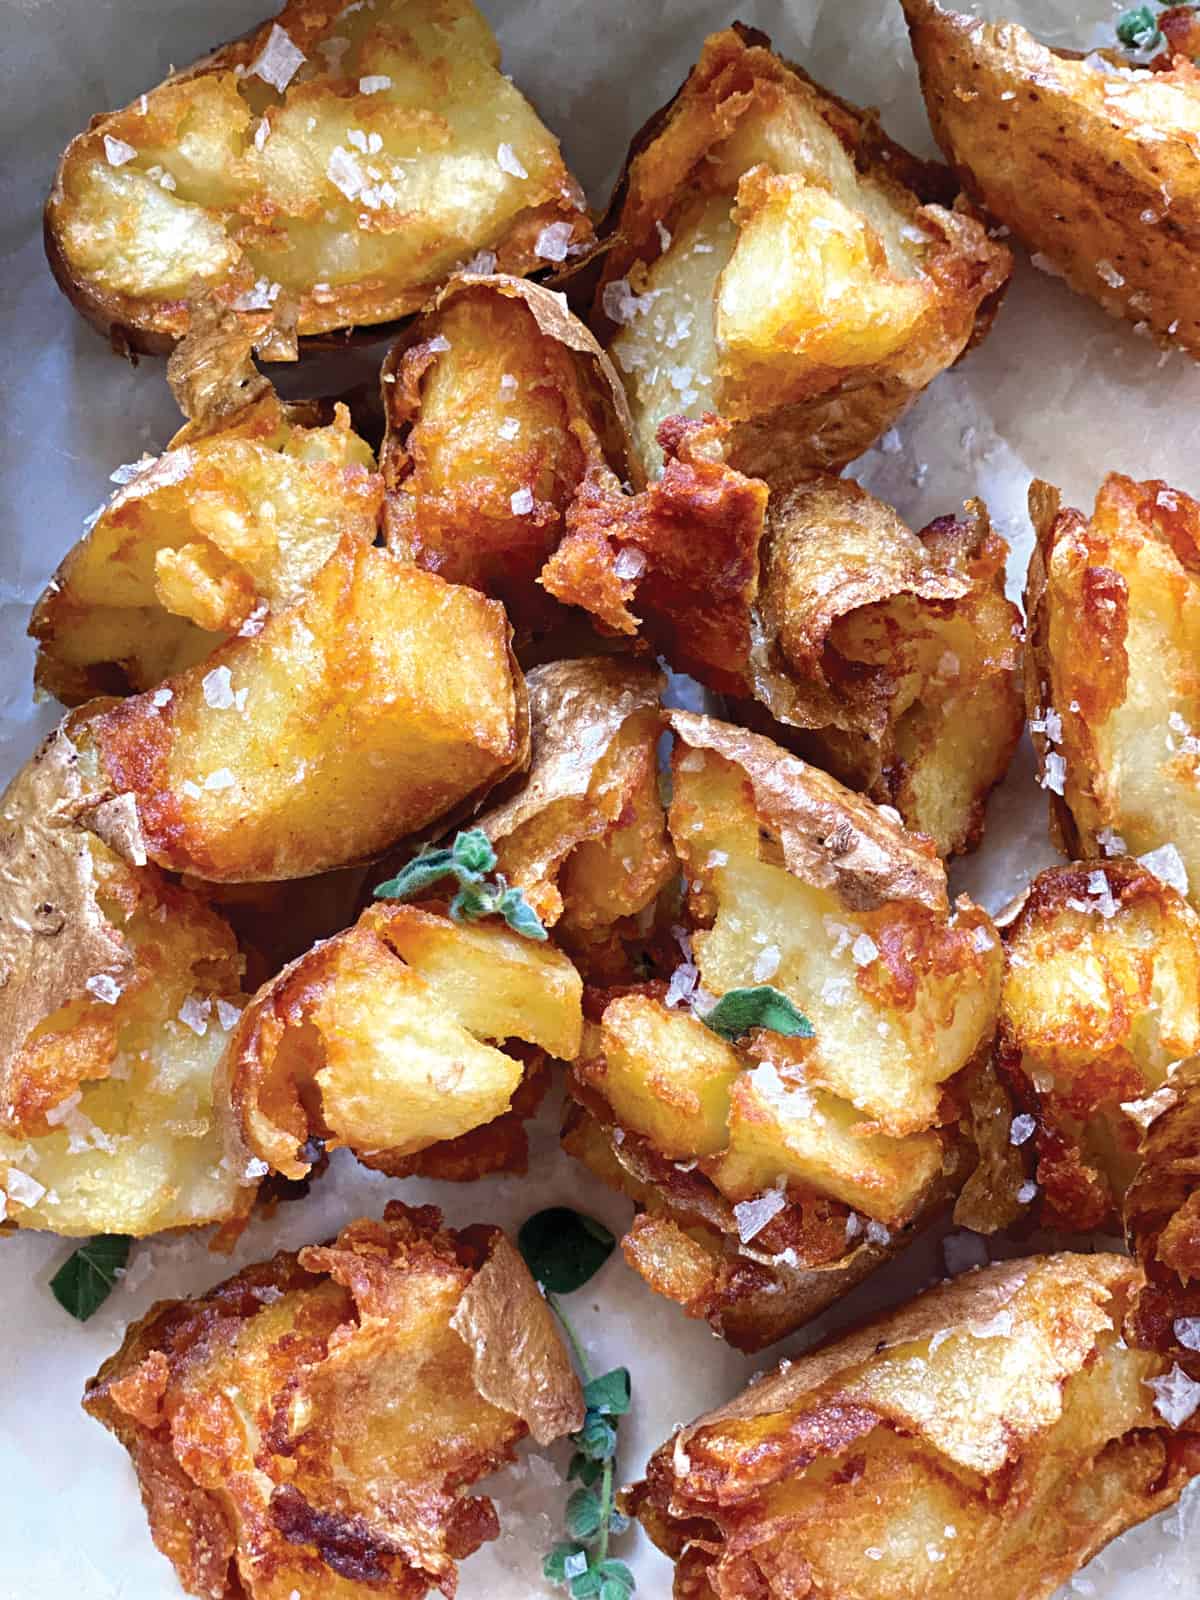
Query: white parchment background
point(1057, 391)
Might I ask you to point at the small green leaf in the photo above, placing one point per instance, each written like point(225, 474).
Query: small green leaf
point(1137, 28)
point(87, 1278)
point(520, 915)
point(587, 1471)
point(609, 1394)
point(587, 1584)
point(614, 1589)
point(555, 1565)
point(563, 1249)
point(584, 1514)
point(472, 851)
point(473, 901)
point(421, 873)
point(597, 1439)
point(618, 1523)
point(618, 1572)
point(740, 1010)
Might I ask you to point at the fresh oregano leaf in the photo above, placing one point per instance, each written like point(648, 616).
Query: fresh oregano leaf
point(597, 1439)
point(1136, 26)
point(520, 915)
point(467, 861)
point(587, 1585)
point(554, 1566)
point(584, 1470)
point(421, 873)
point(609, 1393)
point(563, 1249)
point(740, 1010)
point(584, 1514)
point(472, 850)
point(87, 1278)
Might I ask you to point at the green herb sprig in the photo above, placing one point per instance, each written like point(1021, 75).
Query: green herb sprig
point(86, 1279)
point(563, 1249)
point(468, 861)
point(1137, 29)
point(736, 1012)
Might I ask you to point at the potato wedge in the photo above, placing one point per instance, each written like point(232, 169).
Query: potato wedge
point(117, 988)
point(778, 261)
point(229, 522)
point(498, 403)
point(329, 170)
point(381, 699)
point(1090, 161)
point(1114, 625)
point(385, 1038)
point(792, 1152)
point(1162, 1223)
point(310, 1425)
point(989, 1437)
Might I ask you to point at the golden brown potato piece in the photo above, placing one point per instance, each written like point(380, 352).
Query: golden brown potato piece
point(1111, 687)
point(227, 523)
point(987, 1438)
point(498, 403)
point(385, 1037)
point(328, 170)
point(1101, 1003)
point(117, 989)
point(781, 262)
point(1089, 161)
point(1162, 1222)
point(804, 1151)
point(585, 835)
point(309, 1426)
point(382, 699)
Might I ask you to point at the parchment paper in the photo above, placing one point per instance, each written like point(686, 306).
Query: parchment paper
point(1057, 391)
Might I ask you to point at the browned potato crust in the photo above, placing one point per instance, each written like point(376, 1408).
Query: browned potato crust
point(231, 520)
point(498, 403)
point(987, 1438)
point(1162, 1221)
point(750, 206)
point(805, 1159)
point(117, 988)
point(1090, 162)
point(309, 1426)
point(382, 699)
point(1114, 627)
point(379, 1038)
point(330, 169)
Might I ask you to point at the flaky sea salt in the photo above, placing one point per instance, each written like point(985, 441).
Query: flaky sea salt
point(1027, 1192)
point(864, 950)
point(630, 562)
point(129, 470)
point(552, 242)
point(374, 83)
point(344, 173)
point(876, 1233)
point(26, 1191)
point(1054, 775)
point(766, 963)
point(259, 298)
point(218, 688)
point(1187, 1332)
point(227, 1015)
point(521, 501)
point(194, 1014)
point(508, 161)
point(1023, 1128)
point(222, 778)
point(1176, 1396)
point(752, 1216)
point(104, 988)
point(278, 61)
point(117, 152)
point(1167, 866)
point(620, 303)
point(509, 428)
point(1111, 842)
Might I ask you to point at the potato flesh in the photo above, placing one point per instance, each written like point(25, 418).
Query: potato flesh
point(372, 198)
point(351, 731)
point(180, 557)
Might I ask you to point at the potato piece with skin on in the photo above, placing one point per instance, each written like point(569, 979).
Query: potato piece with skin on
point(1114, 625)
point(777, 260)
point(330, 169)
point(499, 402)
point(1077, 155)
point(233, 519)
point(1162, 1223)
point(116, 989)
point(989, 1436)
point(311, 1425)
point(382, 699)
point(385, 1038)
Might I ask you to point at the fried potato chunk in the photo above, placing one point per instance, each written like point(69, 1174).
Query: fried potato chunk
point(796, 1153)
point(1162, 1223)
point(385, 1038)
point(777, 260)
point(309, 1426)
point(380, 700)
point(328, 170)
point(116, 990)
point(228, 521)
point(498, 403)
point(1111, 688)
point(1088, 160)
point(989, 1437)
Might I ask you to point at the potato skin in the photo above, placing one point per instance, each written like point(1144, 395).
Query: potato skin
point(1113, 603)
point(1075, 160)
point(992, 1434)
point(353, 731)
point(260, 214)
point(757, 164)
point(377, 1376)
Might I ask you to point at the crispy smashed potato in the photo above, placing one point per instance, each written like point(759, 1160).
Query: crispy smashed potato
point(1088, 160)
point(309, 1426)
point(381, 699)
point(798, 1153)
point(585, 835)
point(227, 523)
point(1162, 1223)
point(1101, 1003)
point(498, 403)
point(328, 170)
point(385, 1038)
point(776, 259)
point(117, 989)
point(989, 1437)
point(1111, 687)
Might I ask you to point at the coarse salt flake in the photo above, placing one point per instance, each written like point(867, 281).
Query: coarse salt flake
point(278, 61)
point(194, 1014)
point(104, 988)
point(1176, 1397)
point(26, 1191)
point(864, 950)
point(222, 778)
point(508, 384)
point(552, 242)
point(1022, 1129)
point(260, 298)
point(1187, 1332)
point(117, 152)
point(876, 1233)
point(630, 562)
point(344, 173)
point(521, 501)
point(509, 428)
point(752, 1216)
point(227, 1015)
point(130, 470)
point(1054, 775)
point(1027, 1192)
point(766, 963)
point(1167, 866)
point(261, 133)
point(620, 303)
point(218, 688)
point(374, 83)
point(508, 161)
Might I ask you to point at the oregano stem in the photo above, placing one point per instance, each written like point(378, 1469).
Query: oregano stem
point(606, 1502)
point(581, 1360)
